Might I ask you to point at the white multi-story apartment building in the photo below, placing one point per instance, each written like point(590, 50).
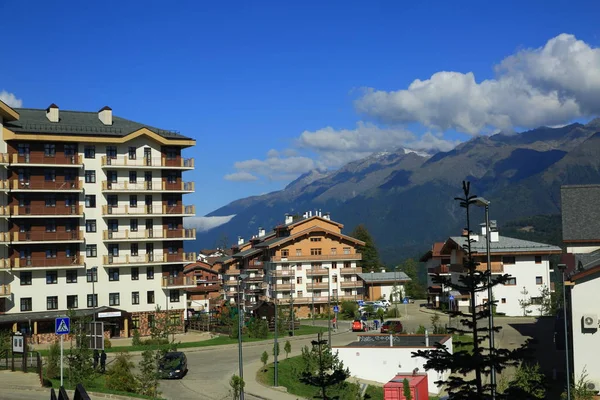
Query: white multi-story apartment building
point(525, 261)
point(92, 219)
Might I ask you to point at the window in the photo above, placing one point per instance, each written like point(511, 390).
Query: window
point(90, 176)
point(52, 303)
point(71, 276)
point(111, 176)
point(315, 252)
point(51, 225)
point(91, 250)
point(315, 239)
point(26, 304)
point(172, 201)
point(70, 149)
point(90, 201)
point(503, 300)
point(536, 301)
point(299, 267)
point(335, 278)
point(150, 299)
point(299, 293)
point(113, 274)
point(172, 177)
point(347, 264)
point(172, 226)
point(134, 249)
point(89, 152)
point(69, 200)
point(92, 275)
point(174, 296)
point(133, 225)
point(50, 200)
point(346, 250)
point(539, 280)
point(299, 280)
point(50, 175)
point(150, 274)
point(511, 282)
point(135, 297)
point(333, 265)
point(112, 200)
point(114, 299)
point(135, 274)
point(112, 225)
point(538, 259)
point(315, 265)
point(49, 150)
point(175, 319)
point(132, 177)
point(131, 153)
point(298, 252)
point(92, 300)
point(111, 151)
point(508, 259)
point(135, 322)
point(285, 253)
point(133, 200)
point(25, 278)
point(90, 225)
point(151, 318)
point(333, 251)
point(72, 301)
point(171, 153)
point(51, 277)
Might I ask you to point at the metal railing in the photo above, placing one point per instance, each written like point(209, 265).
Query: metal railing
point(40, 158)
point(155, 185)
point(148, 210)
point(149, 234)
point(319, 257)
point(125, 161)
point(4, 290)
point(46, 185)
point(174, 281)
point(153, 258)
point(41, 210)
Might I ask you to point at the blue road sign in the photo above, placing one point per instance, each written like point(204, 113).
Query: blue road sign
point(336, 309)
point(405, 301)
point(451, 298)
point(62, 326)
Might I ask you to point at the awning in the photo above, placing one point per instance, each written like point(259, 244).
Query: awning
point(101, 312)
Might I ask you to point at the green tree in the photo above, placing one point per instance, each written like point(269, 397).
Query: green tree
point(237, 385)
point(414, 287)
point(349, 309)
point(287, 348)
point(148, 374)
point(136, 339)
point(546, 307)
point(53, 362)
point(264, 358)
point(468, 366)
point(406, 389)
point(80, 357)
point(321, 368)
point(525, 302)
point(380, 314)
point(119, 375)
point(370, 255)
point(528, 383)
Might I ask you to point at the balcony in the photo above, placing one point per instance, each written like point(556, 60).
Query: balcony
point(147, 162)
point(284, 272)
point(148, 186)
point(4, 185)
point(320, 299)
point(350, 271)
point(232, 272)
point(75, 236)
point(255, 278)
point(318, 285)
point(350, 284)
point(154, 210)
point(440, 269)
point(255, 264)
point(5, 237)
point(48, 263)
point(149, 235)
point(148, 259)
point(4, 158)
point(4, 290)
point(320, 257)
point(40, 160)
point(497, 267)
point(46, 186)
point(42, 211)
point(283, 287)
point(178, 282)
point(5, 263)
point(317, 272)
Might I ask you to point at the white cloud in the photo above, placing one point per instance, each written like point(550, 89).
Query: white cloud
point(241, 176)
point(277, 168)
point(10, 99)
point(545, 86)
point(203, 224)
point(272, 153)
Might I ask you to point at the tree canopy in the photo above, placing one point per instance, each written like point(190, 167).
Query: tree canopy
point(370, 254)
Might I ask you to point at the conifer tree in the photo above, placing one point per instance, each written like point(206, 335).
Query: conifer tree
point(370, 255)
point(468, 368)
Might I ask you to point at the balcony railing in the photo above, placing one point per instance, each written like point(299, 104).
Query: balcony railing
point(25, 237)
point(5, 263)
point(350, 271)
point(149, 234)
point(255, 263)
point(283, 287)
point(178, 281)
point(255, 278)
point(350, 284)
point(4, 290)
point(317, 271)
point(497, 267)
point(143, 162)
point(158, 186)
point(46, 185)
point(38, 158)
point(155, 258)
point(284, 272)
point(320, 299)
point(440, 269)
point(42, 262)
point(148, 210)
point(4, 158)
point(41, 211)
point(5, 237)
point(232, 272)
point(318, 285)
point(320, 257)
point(4, 184)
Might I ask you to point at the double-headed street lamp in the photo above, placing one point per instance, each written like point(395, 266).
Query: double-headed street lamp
point(562, 268)
point(481, 202)
point(241, 277)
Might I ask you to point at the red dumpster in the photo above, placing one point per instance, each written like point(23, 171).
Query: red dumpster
point(394, 389)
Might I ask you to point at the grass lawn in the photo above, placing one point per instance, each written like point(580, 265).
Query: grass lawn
point(219, 340)
point(288, 377)
point(98, 386)
point(468, 343)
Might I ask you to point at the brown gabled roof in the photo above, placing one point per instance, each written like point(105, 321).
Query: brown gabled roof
point(199, 265)
point(314, 229)
point(585, 273)
point(304, 220)
point(436, 251)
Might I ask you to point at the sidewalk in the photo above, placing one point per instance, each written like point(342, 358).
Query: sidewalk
point(256, 389)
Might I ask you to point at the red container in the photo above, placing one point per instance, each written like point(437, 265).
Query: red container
point(394, 389)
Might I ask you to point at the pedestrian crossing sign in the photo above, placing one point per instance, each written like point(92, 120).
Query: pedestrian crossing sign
point(62, 326)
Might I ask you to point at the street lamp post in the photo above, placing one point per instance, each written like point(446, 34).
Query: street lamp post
point(94, 271)
point(240, 323)
point(481, 202)
point(292, 305)
point(328, 305)
point(312, 292)
point(562, 268)
point(276, 373)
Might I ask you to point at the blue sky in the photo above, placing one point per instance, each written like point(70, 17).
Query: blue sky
point(272, 89)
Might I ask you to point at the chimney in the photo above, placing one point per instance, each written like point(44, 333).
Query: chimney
point(327, 216)
point(52, 113)
point(494, 236)
point(310, 214)
point(305, 215)
point(261, 232)
point(105, 115)
point(288, 219)
point(240, 240)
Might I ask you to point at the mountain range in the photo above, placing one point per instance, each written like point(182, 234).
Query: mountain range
point(406, 198)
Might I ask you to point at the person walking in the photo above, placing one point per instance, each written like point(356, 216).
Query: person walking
point(96, 358)
point(103, 361)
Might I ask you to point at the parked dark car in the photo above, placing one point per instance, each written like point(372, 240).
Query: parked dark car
point(391, 327)
point(173, 365)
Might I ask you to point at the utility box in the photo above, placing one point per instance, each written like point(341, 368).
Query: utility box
point(394, 389)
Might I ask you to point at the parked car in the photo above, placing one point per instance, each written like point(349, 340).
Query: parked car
point(173, 365)
point(390, 326)
point(385, 303)
point(359, 326)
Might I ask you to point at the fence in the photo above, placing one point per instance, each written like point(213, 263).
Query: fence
point(80, 394)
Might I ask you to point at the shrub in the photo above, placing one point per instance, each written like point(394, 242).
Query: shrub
point(393, 312)
point(107, 343)
point(119, 375)
point(421, 330)
point(258, 328)
point(154, 342)
point(349, 309)
point(136, 339)
point(53, 365)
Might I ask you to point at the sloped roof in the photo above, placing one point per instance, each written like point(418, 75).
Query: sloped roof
point(374, 277)
point(33, 120)
point(436, 251)
point(283, 239)
point(507, 245)
point(580, 212)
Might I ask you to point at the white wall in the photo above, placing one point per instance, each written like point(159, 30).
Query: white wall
point(381, 364)
point(582, 249)
point(584, 297)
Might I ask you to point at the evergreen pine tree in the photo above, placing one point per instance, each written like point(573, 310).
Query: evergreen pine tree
point(370, 255)
point(469, 367)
